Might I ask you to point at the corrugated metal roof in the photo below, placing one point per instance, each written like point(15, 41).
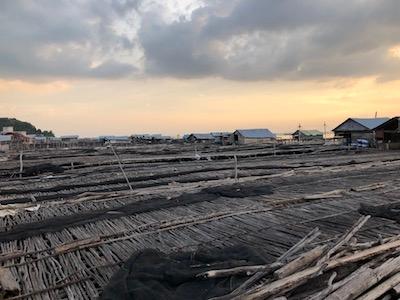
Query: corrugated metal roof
point(256, 133)
point(371, 123)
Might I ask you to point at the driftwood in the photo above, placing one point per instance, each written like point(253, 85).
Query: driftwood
point(365, 280)
point(382, 288)
point(259, 275)
point(245, 270)
point(334, 286)
point(300, 263)
point(311, 236)
point(298, 278)
point(345, 238)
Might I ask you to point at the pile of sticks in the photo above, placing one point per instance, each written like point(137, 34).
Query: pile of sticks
point(368, 270)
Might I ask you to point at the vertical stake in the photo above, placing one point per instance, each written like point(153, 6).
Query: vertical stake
point(236, 167)
point(121, 167)
point(21, 164)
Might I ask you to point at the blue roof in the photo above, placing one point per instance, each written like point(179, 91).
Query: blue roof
point(371, 123)
point(256, 133)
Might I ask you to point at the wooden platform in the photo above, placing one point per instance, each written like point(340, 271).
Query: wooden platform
point(312, 186)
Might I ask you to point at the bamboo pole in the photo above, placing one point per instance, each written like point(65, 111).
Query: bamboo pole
point(121, 167)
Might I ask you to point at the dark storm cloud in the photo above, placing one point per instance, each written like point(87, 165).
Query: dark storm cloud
point(278, 39)
point(239, 40)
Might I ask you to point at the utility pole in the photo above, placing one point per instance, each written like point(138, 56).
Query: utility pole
point(325, 129)
point(376, 114)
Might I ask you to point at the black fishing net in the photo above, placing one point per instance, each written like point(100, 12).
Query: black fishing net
point(41, 169)
point(150, 274)
point(23, 231)
point(389, 211)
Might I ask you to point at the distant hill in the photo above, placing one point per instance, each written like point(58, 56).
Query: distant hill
point(23, 126)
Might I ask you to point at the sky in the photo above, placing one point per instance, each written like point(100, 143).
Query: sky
point(96, 67)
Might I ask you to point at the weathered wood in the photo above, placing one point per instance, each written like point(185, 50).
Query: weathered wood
point(76, 245)
point(382, 288)
point(245, 270)
point(298, 278)
point(121, 167)
point(311, 236)
point(300, 263)
point(363, 281)
point(344, 239)
point(331, 288)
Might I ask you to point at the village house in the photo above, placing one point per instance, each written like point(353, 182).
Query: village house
point(308, 135)
point(388, 133)
point(221, 138)
point(354, 129)
point(200, 138)
point(253, 136)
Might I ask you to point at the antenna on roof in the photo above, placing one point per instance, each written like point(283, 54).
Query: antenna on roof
point(325, 129)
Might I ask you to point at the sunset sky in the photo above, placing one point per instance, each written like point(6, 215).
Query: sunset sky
point(95, 67)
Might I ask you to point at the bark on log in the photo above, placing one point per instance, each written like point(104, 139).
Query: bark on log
point(294, 280)
point(365, 280)
point(381, 289)
point(300, 263)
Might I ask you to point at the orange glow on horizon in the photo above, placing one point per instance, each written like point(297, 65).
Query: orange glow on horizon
point(170, 106)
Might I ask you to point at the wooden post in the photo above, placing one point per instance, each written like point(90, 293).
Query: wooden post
point(236, 167)
point(21, 164)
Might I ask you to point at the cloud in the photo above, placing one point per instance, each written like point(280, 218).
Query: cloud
point(277, 39)
point(238, 40)
point(63, 39)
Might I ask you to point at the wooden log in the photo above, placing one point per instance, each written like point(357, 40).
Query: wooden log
point(382, 288)
point(298, 278)
point(345, 238)
point(365, 281)
point(396, 289)
point(311, 236)
point(300, 263)
point(259, 275)
point(8, 283)
point(244, 270)
point(331, 288)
